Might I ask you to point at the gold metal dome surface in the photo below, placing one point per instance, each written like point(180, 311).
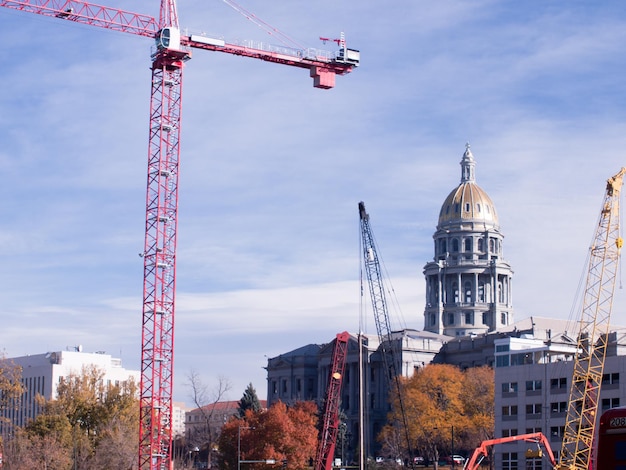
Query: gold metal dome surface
point(468, 203)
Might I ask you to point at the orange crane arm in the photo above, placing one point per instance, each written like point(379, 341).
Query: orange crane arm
point(482, 450)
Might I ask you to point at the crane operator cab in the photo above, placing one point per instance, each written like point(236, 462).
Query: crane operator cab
point(168, 38)
point(168, 47)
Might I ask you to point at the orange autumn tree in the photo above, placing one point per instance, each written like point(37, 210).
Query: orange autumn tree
point(447, 411)
point(280, 433)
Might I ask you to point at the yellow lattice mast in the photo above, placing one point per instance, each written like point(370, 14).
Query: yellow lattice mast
point(576, 450)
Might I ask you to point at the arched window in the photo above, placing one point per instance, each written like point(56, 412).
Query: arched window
point(468, 244)
point(455, 245)
point(467, 292)
point(480, 295)
point(481, 244)
point(444, 247)
point(455, 292)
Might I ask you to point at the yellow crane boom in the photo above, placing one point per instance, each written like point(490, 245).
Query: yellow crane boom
point(576, 450)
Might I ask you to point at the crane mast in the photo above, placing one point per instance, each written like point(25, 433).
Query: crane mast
point(577, 445)
point(391, 357)
point(330, 425)
point(159, 253)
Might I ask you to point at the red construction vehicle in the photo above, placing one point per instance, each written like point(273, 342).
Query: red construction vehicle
point(536, 437)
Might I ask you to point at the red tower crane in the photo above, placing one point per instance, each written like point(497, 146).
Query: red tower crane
point(330, 426)
point(159, 254)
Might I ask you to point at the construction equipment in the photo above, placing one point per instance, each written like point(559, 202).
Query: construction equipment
point(576, 450)
point(330, 425)
point(538, 438)
point(159, 253)
point(390, 356)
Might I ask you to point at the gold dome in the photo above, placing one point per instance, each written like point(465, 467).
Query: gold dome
point(468, 203)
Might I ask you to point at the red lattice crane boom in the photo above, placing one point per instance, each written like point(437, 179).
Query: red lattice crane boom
point(159, 254)
point(330, 426)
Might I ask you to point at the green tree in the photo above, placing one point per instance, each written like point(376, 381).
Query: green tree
point(280, 433)
point(249, 401)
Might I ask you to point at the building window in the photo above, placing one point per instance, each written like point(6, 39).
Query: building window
point(610, 379)
point(503, 316)
point(298, 386)
point(533, 409)
point(468, 244)
point(509, 410)
point(451, 319)
point(558, 384)
point(509, 387)
point(509, 432)
point(502, 361)
point(558, 407)
point(284, 385)
point(502, 348)
point(533, 430)
point(469, 318)
point(509, 461)
point(533, 385)
point(467, 288)
point(556, 432)
point(455, 245)
point(608, 403)
point(274, 387)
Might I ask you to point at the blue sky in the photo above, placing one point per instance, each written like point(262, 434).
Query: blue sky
point(272, 169)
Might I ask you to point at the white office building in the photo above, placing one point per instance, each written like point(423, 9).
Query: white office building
point(533, 373)
point(41, 374)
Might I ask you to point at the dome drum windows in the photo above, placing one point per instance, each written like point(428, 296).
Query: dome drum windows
point(467, 292)
point(468, 244)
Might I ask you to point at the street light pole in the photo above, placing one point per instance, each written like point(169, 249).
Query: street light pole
point(239, 428)
point(452, 446)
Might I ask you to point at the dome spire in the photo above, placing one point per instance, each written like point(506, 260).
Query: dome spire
point(468, 166)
